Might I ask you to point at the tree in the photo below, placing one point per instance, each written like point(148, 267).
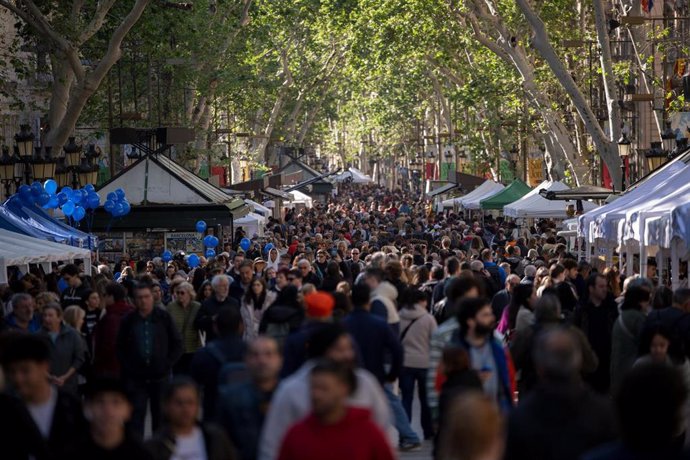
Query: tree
point(67, 29)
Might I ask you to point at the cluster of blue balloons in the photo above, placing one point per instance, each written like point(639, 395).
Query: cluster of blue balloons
point(35, 194)
point(116, 203)
point(74, 203)
point(211, 241)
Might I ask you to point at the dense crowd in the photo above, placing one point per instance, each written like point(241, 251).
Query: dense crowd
point(320, 346)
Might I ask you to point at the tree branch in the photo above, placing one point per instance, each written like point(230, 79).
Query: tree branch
point(97, 20)
point(77, 5)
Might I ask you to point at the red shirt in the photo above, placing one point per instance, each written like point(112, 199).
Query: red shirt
point(355, 437)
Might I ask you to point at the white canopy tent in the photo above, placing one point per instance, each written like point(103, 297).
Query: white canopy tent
point(533, 205)
point(20, 250)
point(472, 199)
point(358, 177)
point(301, 198)
point(487, 188)
point(258, 208)
point(252, 224)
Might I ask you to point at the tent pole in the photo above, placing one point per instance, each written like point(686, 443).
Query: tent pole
point(675, 266)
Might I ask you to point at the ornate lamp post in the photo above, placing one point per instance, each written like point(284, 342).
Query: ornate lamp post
point(623, 153)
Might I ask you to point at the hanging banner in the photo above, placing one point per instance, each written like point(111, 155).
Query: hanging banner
point(535, 171)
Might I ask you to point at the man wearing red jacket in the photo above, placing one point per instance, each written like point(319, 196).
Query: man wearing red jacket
point(105, 362)
point(333, 430)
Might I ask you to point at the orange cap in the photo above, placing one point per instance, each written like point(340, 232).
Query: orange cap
point(319, 305)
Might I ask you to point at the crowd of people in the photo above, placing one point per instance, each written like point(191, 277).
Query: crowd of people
point(320, 346)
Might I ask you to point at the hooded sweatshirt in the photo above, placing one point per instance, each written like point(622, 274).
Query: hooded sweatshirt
point(420, 325)
point(384, 296)
point(311, 439)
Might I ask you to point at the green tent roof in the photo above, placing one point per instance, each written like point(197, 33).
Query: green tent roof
point(516, 190)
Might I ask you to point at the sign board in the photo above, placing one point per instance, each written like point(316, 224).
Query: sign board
point(183, 241)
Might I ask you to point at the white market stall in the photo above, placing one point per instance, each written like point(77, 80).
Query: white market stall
point(252, 224)
point(472, 199)
point(301, 198)
point(535, 206)
point(20, 250)
point(486, 189)
point(258, 208)
point(651, 219)
point(356, 176)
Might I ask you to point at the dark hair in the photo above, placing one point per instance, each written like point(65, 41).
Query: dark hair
point(340, 371)
point(116, 290)
point(681, 296)
point(287, 297)
point(634, 297)
point(376, 273)
point(556, 271)
point(17, 347)
point(459, 286)
point(70, 270)
point(648, 406)
point(100, 385)
point(333, 270)
point(663, 297)
point(249, 296)
point(140, 286)
point(323, 338)
point(198, 278)
point(228, 320)
point(520, 297)
point(296, 273)
point(452, 265)
point(569, 264)
point(437, 273)
point(455, 360)
point(360, 294)
point(411, 296)
point(177, 383)
point(200, 291)
point(468, 309)
point(592, 280)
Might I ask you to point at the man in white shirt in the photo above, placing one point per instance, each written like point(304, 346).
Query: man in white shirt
point(48, 420)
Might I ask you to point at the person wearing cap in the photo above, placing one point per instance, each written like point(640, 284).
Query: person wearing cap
point(107, 409)
point(319, 311)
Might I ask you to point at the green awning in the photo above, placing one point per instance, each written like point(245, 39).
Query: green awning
point(516, 190)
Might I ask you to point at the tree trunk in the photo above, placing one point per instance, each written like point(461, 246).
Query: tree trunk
point(63, 78)
point(540, 41)
point(607, 70)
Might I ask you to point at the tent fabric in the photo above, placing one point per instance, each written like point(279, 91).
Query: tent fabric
point(258, 208)
point(357, 176)
point(513, 192)
point(301, 198)
point(252, 224)
point(21, 250)
point(602, 223)
point(533, 205)
point(34, 221)
point(484, 191)
point(441, 190)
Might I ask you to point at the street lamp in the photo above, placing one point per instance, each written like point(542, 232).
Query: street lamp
point(623, 153)
point(24, 149)
point(6, 169)
point(79, 166)
point(656, 156)
point(668, 138)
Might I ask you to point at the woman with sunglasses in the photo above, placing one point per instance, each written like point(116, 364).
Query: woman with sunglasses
point(183, 311)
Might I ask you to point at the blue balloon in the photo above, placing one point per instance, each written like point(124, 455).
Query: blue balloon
point(89, 188)
point(112, 196)
point(78, 213)
point(25, 191)
point(52, 203)
point(62, 198)
point(201, 226)
point(193, 260)
point(245, 244)
point(126, 207)
point(68, 208)
point(207, 241)
point(109, 205)
point(120, 194)
point(118, 210)
point(50, 186)
point(210, 253)
point(37, 189)
point(117, 276)
point(43, 199)
point(214, 242)
point(166, 256)
point(84, 195)
point(67, 189)
point(92, 201)
point(75, 196)
point(268, 247)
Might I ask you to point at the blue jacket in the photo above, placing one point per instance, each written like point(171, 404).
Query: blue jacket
point(295, 348)
point(35, 324)
point(240, 413)
point(377, 344)
point(501, 272)
point(499, 354)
